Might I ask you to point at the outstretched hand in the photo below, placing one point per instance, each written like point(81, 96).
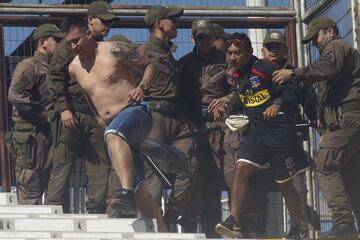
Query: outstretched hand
point(271, 111)
point(68, 119)
point(217, 103)
point(282, 76)
point(136, 95)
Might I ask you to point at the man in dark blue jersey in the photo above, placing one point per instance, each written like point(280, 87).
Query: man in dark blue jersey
point(272, 141)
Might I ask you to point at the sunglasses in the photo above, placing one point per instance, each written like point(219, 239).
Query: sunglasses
point(235, 42)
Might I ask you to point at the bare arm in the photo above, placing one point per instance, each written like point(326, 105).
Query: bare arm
point(130, 57)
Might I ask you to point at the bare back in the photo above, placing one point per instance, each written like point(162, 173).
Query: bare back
point(105, 80)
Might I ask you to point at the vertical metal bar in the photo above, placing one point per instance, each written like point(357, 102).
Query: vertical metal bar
point(299, 7)
point(290, 34)
point(4, 155)
point(355, 10)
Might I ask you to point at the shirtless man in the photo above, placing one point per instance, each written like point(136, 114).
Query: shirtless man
point(104, 71)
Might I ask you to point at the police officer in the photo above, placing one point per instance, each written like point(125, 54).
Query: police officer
point(75, 126)
point(337, 162)
point(205, 86)
point(31, 131)
point(220, 37)
point(275, 50)
point(169, 116)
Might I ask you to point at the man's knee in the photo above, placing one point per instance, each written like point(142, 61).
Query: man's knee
point(113, 140)
point(331, 159)
point(287, 187)
point(244, 170)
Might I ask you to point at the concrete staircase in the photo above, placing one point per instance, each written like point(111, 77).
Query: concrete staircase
point(49, 222)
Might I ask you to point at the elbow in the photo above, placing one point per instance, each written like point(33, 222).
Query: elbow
point(11, 98)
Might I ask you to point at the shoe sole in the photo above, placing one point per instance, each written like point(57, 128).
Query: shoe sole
point(224, 231)
point(125, 210)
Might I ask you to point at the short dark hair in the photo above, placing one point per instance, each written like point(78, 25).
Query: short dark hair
point(242, 38)
point(74, 22)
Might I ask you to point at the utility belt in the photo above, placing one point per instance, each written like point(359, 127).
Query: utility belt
point(165, 107)
point(200, 115)
point(331, 116)
point(21, 143)
point(82, 107)
point(206, 115)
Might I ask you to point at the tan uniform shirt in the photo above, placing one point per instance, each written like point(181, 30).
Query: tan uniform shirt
point(28, 92)
point(166, 84)
point(62, 88)
point(339, 65)
point(204, 79)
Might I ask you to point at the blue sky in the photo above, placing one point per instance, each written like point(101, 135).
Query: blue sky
point(14, 36)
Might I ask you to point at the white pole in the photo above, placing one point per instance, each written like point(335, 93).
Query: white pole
point(257, 35)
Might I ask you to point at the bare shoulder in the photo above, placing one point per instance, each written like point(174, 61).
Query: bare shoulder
point(73, 65)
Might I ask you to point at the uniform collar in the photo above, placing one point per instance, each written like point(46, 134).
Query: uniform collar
point(170, 46)
point(248, 66)
point(331, 41)
point(42, 57)
point(213, 52)
point(284, 63)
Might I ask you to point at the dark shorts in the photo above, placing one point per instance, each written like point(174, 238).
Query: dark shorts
point(133, 124)
point(285, 163)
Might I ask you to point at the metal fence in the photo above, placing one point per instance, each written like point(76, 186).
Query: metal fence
point(152, 2)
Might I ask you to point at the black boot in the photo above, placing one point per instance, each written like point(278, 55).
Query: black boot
point(170, 218)
point(125, 204)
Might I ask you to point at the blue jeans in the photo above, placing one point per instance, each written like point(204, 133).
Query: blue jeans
point(133, 124)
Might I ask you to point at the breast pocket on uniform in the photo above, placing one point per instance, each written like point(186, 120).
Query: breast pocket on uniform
point(216, 73)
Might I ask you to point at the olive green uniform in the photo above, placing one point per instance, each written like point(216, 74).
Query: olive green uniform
point(31, 132)
point(204, 81)
point(88, 136)
point(169, 122)
point(338, 162)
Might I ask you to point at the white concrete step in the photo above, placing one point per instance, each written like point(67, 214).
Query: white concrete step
point(65, 215)
point(91, 238)
point(11, 235)
point(41, 225)
point(31, 209)
point(8, 199)
point(102, 236)
point(121, 225)
point(78, 225)
point(169, 236)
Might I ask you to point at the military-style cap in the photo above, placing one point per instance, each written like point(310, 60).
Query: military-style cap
point(47, 30)
point(315, 25)
point(100, 9)
point(122, 38)
point(202, 25)
point(159, 12)
point(275, 37)
point(219, 31)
